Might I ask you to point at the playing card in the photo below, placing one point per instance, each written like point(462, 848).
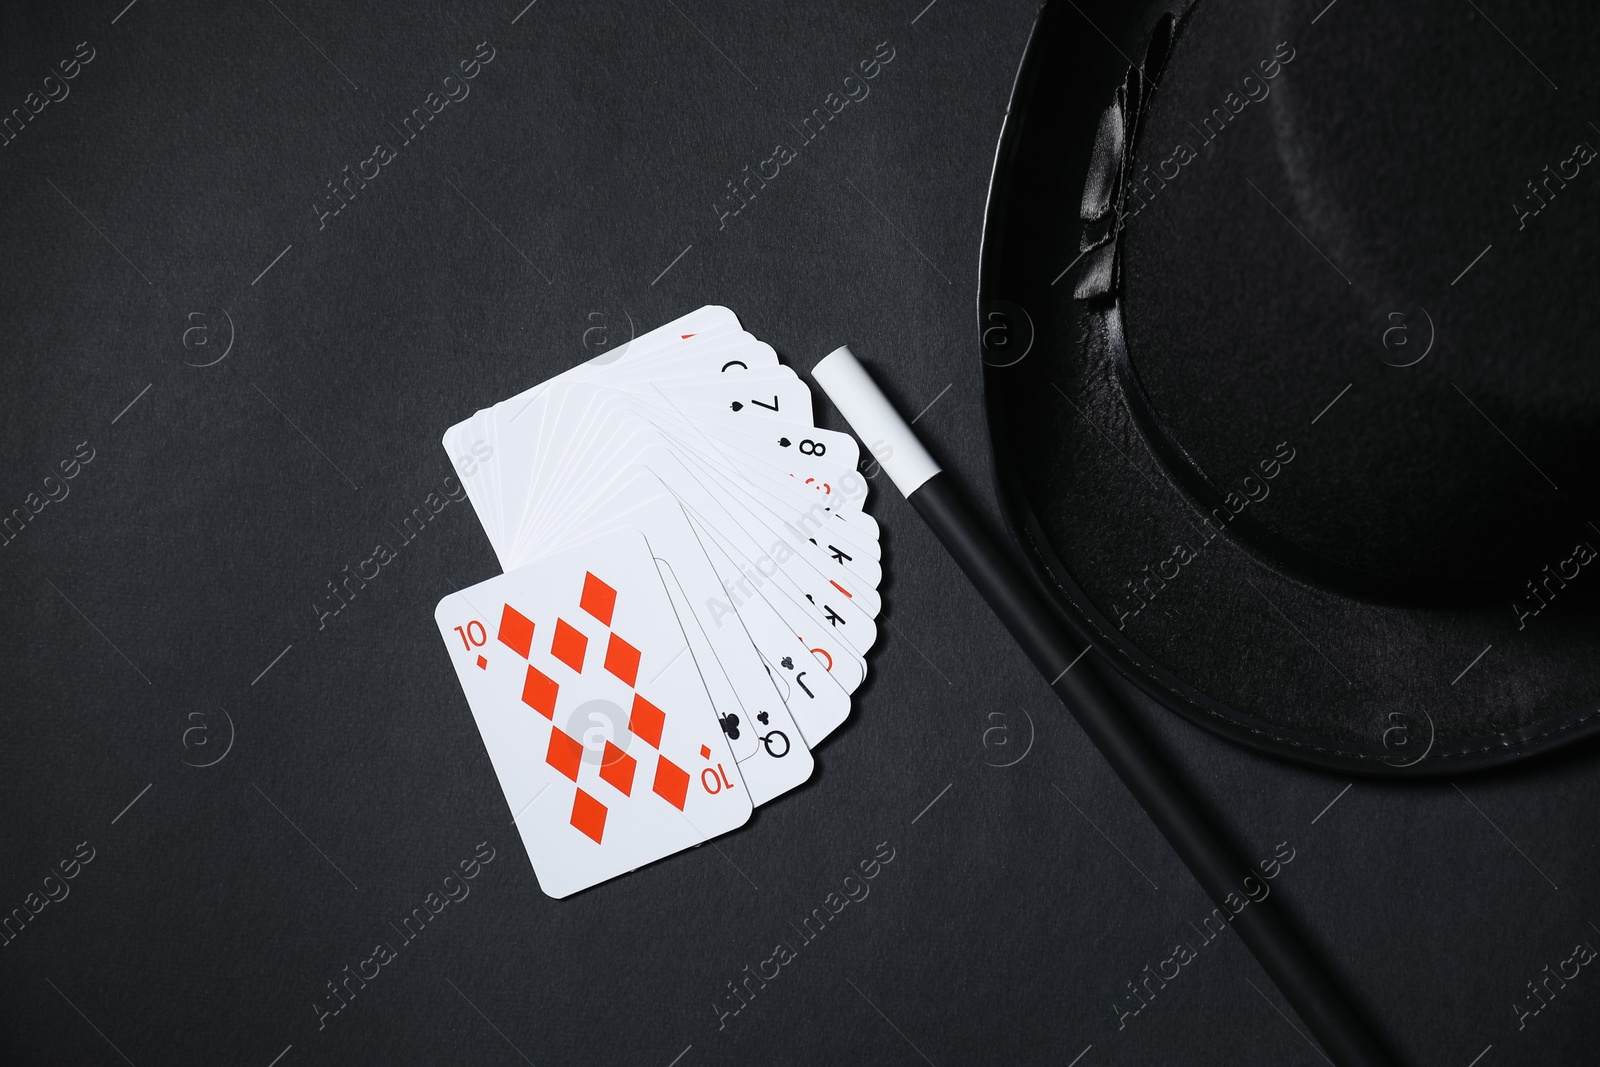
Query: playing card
point(595, 716)
point(683, 473)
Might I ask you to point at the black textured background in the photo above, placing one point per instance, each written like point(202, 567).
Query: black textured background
point(166, 603)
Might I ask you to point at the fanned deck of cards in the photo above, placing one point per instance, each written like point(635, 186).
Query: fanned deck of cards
point(690, 591)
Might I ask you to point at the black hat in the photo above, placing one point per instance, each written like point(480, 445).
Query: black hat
point(1291, 327)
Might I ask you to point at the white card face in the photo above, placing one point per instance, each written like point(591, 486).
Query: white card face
point(594, 713)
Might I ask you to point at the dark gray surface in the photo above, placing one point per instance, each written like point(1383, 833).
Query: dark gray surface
point(192, 548)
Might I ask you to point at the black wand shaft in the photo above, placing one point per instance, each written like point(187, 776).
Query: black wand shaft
point(1032, 620)
point(1260, 923)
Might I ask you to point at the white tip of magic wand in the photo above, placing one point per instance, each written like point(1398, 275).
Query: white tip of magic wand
point(887, 436)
